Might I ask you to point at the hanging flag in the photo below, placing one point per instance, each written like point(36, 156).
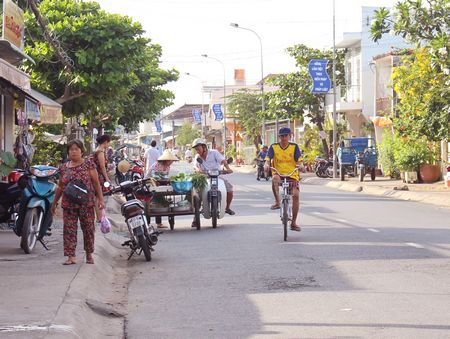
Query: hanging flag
point(197, 115)
point(217, 109)
point(158, 126)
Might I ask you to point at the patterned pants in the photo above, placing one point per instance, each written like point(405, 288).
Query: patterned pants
point(86, 216)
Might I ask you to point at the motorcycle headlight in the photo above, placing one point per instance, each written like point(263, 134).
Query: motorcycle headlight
point(213, 173)
point(42, 173)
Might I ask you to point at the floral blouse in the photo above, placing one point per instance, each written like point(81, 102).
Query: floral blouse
point(79, 173)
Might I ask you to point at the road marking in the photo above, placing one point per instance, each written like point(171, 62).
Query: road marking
point(342, 220)
point(412, 244)
point(373, 230)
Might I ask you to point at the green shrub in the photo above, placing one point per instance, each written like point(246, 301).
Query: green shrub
point(386, 155)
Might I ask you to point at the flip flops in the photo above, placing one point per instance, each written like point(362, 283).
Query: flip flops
point(70, 261)
point(295, 228)
point(275, 207)
point(230, 212)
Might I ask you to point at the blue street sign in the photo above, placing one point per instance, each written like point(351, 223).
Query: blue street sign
point(158, 126)
point(197, 115)
point(318, 72)
point(217, 109)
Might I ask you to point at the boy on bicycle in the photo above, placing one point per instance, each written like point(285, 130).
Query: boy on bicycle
point(285, 156)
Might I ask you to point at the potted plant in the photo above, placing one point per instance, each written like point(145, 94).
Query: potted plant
point(7, 163)
point(410, 154)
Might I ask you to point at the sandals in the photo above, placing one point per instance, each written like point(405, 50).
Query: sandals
point(295, 228)
point(230, 212)
point(275, 207)
point(89, 259)
point(70, 261)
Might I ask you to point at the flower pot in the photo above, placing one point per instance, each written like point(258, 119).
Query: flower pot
point(430, 173)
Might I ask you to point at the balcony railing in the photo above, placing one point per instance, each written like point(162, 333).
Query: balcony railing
point(350, 93)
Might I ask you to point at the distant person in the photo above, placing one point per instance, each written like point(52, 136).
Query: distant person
point(150, 157)
point(188, 155)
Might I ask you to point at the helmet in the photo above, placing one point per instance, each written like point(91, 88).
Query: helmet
point(284, 131)
point(198, 141)
point(123, 166)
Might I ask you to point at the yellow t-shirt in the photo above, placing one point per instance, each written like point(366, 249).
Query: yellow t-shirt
point(284, 159)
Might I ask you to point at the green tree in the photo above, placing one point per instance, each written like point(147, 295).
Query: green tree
point(186, 134)
point(293, 99)
point(245, 106)
point(115, 75)
point(423, 80)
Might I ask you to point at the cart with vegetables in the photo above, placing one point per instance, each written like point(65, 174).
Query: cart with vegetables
point(176, 196)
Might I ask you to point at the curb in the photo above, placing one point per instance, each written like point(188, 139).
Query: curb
point(441, 199)
point(94, 305)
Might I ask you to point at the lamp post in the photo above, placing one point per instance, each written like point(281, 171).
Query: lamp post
point(224, 102)
point(201, 109)
point(334, 95)
point(235, 25)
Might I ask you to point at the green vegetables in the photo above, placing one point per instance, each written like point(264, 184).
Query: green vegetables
point(199, 180)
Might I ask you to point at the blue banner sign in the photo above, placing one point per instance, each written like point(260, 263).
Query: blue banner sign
point(217, 109)
point(318, 73)
point(197, 115)
point(158, 126)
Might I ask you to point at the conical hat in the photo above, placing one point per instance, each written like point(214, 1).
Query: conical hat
point(123, 166)
point(167, 155)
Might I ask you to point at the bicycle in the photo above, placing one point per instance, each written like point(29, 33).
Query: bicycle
point(286, 200)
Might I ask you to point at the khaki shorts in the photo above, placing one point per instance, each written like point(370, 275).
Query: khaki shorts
point(228, 185)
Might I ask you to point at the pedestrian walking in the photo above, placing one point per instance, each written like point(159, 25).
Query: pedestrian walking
point(78, 174)
point(100, 160)
point(151, 156)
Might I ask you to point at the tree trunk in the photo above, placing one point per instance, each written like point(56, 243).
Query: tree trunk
point(324, 141)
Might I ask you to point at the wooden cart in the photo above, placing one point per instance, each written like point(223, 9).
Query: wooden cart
point(167, 192)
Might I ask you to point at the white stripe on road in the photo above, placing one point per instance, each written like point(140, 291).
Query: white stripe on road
point(373, 230)
point(412, 244)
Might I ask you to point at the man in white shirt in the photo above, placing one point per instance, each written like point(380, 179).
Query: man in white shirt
point(213, 160)
point(151, 156)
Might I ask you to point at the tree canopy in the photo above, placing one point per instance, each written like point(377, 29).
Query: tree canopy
point(293, 99)
point(423, 81)
point(115, 76)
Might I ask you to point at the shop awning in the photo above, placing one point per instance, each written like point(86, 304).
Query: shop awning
point(50, 110)
point(14, 76)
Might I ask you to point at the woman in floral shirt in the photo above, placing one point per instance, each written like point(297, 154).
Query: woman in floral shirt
point(80, 170)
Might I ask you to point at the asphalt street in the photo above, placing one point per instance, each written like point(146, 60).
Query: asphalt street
point(363, 266)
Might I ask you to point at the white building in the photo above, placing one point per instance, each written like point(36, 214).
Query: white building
point(357, 98)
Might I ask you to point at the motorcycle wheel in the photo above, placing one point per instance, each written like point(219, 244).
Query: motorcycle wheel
point(214, 211)
point(143, 244)
point(362, 173)
point(342, 173)
point(30, 229)
point(373, 174)
point(285, 218)
point(136, 177)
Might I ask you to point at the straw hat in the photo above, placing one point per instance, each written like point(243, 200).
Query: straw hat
point(123, 166)
point(167, 155)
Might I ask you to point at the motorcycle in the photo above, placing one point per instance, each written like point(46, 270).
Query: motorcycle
point(10, 194)
point(214, 195)
point(323, 167)
point(134, 172)
point(260, 174)
point(35, 217)
point(142, 234)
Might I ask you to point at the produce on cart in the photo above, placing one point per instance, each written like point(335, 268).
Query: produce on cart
point(178, 195)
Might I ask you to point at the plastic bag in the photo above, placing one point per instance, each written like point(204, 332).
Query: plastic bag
point(105, 225)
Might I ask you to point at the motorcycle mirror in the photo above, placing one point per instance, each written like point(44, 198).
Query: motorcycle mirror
point(230, 160)
point(106, 184)
point(199, 160)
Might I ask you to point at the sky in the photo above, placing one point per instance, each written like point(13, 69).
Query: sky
point(186, 29)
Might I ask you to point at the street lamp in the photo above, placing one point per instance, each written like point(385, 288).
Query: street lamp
point(224, 102)
point(235, 25)
point(201, 109)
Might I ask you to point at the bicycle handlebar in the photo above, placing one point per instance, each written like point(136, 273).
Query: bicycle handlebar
point(284, 175)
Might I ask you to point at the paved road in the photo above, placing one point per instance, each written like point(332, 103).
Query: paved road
point(363, 266)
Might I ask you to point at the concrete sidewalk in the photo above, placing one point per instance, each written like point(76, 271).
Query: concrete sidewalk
point(435, 193)
point(41, 298)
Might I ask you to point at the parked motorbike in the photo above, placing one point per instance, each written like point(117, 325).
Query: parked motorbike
point(10, 194)
point(214, 195)
point(323, 167)
point(142, 234)
point(135, 171)
point(35, 217)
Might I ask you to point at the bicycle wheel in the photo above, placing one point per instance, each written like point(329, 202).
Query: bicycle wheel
point(285, 217)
